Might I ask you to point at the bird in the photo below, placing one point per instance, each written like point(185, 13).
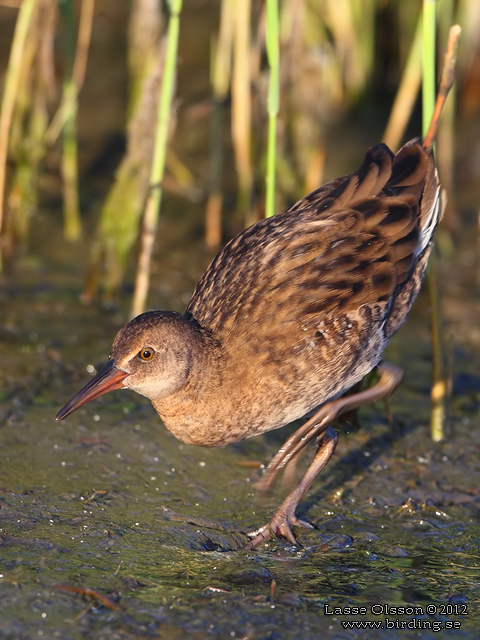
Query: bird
point(291, 314)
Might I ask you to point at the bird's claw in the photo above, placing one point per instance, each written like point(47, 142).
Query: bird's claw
point(279, 525)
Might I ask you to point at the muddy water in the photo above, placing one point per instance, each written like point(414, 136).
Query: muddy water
point(110, 528)
point(109, 501)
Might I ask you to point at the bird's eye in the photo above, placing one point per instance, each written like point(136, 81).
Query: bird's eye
point(147, 353)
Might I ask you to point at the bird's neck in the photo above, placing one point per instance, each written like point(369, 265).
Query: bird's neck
point(184, 411)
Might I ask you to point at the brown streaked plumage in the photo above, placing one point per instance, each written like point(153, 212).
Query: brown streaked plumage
point(291, 314)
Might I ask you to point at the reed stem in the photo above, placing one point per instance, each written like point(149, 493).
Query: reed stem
point(221, 69)
point(71, 207)
point(242, 104)
point(439, 386)
point(10, 92)
point(406, 94)
point(65, 119)
point(150, 219)
point(273, 54)
point(446, 134)
point(428, 62)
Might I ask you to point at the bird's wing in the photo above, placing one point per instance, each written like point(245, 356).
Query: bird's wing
point(352, 242)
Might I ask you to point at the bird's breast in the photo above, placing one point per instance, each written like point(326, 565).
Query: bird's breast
point(265, 384)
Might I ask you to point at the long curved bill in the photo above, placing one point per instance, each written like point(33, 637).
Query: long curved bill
point(108, 379)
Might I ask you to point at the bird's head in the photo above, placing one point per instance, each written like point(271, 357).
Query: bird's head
point(151, 355)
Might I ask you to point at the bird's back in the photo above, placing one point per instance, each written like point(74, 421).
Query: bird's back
point(305, 302)
point(353, 242)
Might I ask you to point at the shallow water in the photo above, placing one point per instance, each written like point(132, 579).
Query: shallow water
point(109, 500)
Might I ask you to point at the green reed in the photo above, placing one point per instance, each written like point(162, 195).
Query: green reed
point(429, 31)
point(439, 387)
point(273, 101)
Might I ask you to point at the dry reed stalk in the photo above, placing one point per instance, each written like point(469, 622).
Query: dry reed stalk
point(221, 65)
point(83, 42)
point(69, 165)
point(213, 217)
point(314, 174)
point(68, 117)
point(47, 50)
point(438, 393)
point(65, 119)
point(75, 82)
point(468, 15)
point(242, 103)
point(446, 135)
point(150, 218)
point(22, 27)
point(352, 25)
point(439, 378)
point(27, 132)
point(144, 33)
point(407, 93)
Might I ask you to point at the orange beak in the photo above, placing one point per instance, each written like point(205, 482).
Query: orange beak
point(108, 379)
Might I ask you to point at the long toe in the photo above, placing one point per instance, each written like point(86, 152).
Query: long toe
point(258, 536)
point(280, 525)
point(283, 529)
point(294, 521)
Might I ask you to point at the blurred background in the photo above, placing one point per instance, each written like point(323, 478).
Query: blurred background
point(79, 110)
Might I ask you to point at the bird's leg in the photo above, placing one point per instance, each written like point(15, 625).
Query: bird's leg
point(289, 475)
point(390, 378)
point(291, 448)
point(285, 516)
point(317, 426)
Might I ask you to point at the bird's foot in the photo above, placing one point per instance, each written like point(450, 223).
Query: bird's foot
point(279, 525)
point(285, 517)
